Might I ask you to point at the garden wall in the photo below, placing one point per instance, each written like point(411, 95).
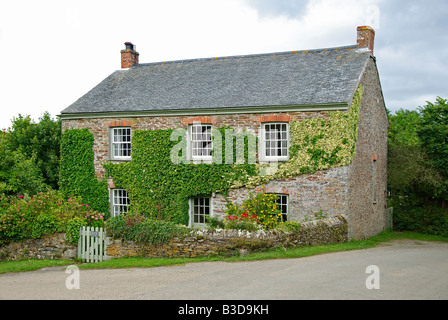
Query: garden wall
point(199, 243)
point(236, 242)
point(48, 247)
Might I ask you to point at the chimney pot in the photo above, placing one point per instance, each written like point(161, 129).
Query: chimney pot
point(366, 38)
point(129, 46)
point(129, 56)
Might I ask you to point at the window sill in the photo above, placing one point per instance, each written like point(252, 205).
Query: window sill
point(120, 159)
point(268, 160)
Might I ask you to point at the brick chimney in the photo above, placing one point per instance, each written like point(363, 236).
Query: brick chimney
point(129, 56)
point(366, 38)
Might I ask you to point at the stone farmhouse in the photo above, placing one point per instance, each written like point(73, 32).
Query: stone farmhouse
point(318, 115)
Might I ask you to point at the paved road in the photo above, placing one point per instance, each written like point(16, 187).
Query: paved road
point(407, 270)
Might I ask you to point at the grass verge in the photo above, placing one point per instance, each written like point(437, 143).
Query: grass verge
point(279, 253)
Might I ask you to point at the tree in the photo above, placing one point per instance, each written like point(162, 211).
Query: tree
point(29, 155)
point(433, 134)
point(408, 168)
point(42, 139)
point(418, 168)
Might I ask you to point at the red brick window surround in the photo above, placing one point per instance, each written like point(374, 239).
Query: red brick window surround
point(274, 118)
point(268, 189)
point(204, 120)
point(119, 123)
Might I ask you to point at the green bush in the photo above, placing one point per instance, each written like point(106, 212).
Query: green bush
point(72, 229)
point(141, 229)
point(24, 217)
point(429, 219)
point(45, 224)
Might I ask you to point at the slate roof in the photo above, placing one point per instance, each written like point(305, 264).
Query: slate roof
point(294, 78)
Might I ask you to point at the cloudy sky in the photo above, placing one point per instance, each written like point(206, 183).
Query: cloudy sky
point(53, 52)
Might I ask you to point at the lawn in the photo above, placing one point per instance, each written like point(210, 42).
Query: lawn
point(280, 253)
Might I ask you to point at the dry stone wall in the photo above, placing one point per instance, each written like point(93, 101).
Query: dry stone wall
point(236, 242)
point(48, 247)
point(201, 242)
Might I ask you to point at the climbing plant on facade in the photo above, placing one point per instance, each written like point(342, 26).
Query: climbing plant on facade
point(160, 188)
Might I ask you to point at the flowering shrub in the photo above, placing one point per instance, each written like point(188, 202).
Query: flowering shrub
point(259, 210)
point(95, 219)
point(241, 221)
point(24, 217)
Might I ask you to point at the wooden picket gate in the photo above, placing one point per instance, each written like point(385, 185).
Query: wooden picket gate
point(91, 244)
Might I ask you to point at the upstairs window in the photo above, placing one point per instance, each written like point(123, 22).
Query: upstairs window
point(274, 141)
point(201, 141)
point(121, 143)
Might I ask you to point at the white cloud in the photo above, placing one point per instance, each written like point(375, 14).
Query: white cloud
point(53, 51)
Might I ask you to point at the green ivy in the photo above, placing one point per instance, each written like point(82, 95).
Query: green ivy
point(316, 144)
point(159, 180)
point(77, 171)
point(160, 188)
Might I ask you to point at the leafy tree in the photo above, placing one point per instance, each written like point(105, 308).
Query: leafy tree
point(403, 127)
point(408, 168)
point(418, 168)
point(433, 134)
point(40, 140)
point(29, 155)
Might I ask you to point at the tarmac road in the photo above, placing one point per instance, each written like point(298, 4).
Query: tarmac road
point(404, 270)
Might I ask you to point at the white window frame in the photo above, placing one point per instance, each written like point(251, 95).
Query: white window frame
point(274, 138)
point(195, 210)
point(195, 138)
point(283, 202)
point(120, 202)
point(117, 145)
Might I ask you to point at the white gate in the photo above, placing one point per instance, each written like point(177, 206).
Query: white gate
point(91, 244)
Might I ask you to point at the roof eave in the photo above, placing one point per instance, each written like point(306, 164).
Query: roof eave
point(338, 106)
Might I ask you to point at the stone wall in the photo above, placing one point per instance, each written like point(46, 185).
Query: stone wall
point(201, 242)
point(368, 171)
point(308, 193)
point(49, 247)
point(235, 242)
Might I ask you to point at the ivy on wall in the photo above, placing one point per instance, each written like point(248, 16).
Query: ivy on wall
point(160, 187)
point(316, 144)
point(77, 171)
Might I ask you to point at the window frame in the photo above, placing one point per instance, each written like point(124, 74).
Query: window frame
point(192, 213)
point(284, 215)
point(191, 142)
point(121, 205)
point(114, 143)
point(269, 158)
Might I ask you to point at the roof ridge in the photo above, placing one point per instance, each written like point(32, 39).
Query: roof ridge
point(350, 47)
